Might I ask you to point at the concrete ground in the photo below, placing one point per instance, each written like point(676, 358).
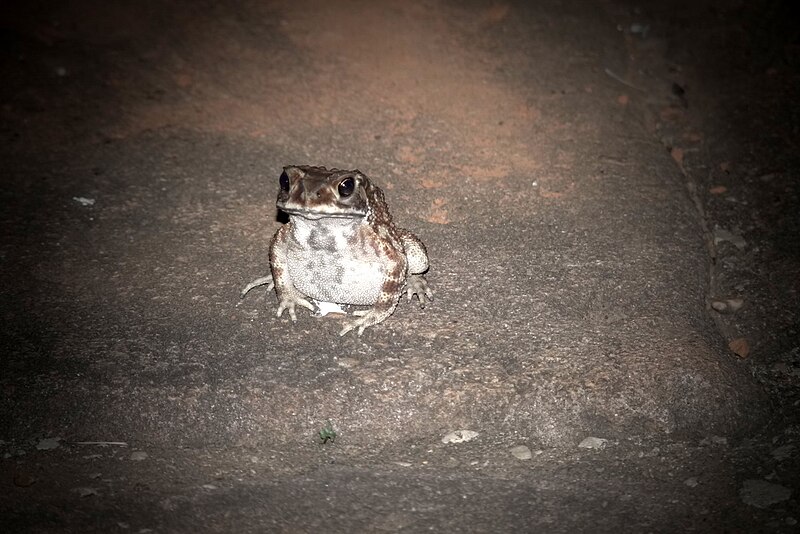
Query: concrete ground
point(606, 191)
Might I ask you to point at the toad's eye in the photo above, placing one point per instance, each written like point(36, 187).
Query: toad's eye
point(346, 187)
point(284, 181)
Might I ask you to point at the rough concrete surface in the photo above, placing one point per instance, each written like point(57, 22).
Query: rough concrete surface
point(614, 255)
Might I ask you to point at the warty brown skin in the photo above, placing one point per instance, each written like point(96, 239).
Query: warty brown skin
point(340, 245)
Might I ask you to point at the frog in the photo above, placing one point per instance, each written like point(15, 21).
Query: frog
point(340, 246)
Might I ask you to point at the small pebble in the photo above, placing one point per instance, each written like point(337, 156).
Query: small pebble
point(593, 443)
point(83, 201)
point(719, 305)
point(735, 304)
point(521, 452)
point(727, 305)
point(691, 482)
point(85, 492)
point(721, 235)
point(48, 444)
point(24, 480)
point(347, 363)
point(138, 456)
point(459, 436)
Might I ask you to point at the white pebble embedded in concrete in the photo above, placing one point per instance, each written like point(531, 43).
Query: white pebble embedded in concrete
point(521, 452)
point(593, 443)
point(459, 436)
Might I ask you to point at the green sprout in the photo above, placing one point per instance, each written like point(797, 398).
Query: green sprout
point(327, 433)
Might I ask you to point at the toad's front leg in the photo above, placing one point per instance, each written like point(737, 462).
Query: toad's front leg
point(417, 258)
point(288, 295)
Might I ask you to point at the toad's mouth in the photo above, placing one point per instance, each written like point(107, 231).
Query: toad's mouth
point(316, 214)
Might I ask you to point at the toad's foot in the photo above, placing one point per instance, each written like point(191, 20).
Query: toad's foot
point(263, 281)
point(289, 299)
point(365, 318)
point(417, 285)
point(359, 323)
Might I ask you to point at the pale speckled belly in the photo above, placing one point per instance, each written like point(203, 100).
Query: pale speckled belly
point(337, 277)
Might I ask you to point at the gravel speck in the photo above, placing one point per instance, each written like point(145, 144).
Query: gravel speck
point(459, 436)
point(522, 452)
point(593, 443)
point(48, 444)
